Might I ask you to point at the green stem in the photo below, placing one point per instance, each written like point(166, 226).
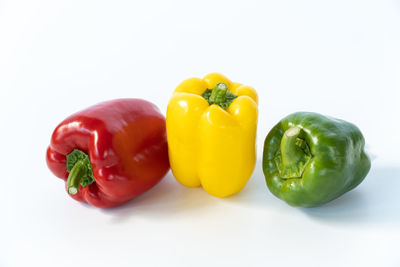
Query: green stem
point(290, 152)
point(75, 175)
point(218, 94)
point(80, 171)
point(294, 157)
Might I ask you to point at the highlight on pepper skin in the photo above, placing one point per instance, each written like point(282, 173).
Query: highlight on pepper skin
point(211, 130)
point(310, 159)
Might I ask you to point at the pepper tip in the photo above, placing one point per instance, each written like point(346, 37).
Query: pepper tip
point(72, 190)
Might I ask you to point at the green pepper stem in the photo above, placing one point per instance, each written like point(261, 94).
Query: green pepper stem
point(74, 178)
point(218, 94)
point(294, 157)
point(290, 152)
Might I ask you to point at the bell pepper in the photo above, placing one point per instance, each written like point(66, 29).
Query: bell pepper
point(310, 159)
point(110, 153)
point(211, 130)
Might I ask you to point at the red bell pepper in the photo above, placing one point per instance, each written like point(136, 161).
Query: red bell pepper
point(111, 152)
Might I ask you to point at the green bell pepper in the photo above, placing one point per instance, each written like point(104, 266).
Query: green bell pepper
point(310, 159)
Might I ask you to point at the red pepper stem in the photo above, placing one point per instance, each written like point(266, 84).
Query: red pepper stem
point(74, 178)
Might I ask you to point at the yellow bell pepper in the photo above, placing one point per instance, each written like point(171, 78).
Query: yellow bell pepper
point(211, 131)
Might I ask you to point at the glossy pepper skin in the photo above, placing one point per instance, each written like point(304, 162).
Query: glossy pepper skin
point(210, 145)
point(125, 140)
point(310, 159)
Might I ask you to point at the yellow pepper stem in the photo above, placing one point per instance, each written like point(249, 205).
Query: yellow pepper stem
point(219, 95)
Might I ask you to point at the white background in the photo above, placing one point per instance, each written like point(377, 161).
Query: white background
point(340, 58)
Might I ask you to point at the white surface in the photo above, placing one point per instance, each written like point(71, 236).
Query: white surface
point(340, 58)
